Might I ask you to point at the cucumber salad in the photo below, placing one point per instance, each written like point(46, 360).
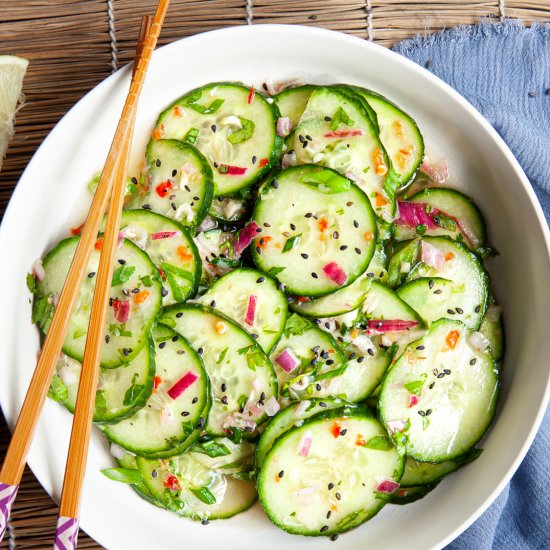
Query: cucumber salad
point(299, 313)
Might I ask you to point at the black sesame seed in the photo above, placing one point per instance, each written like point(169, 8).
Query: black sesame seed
point(438, 291)
point(304, 255)
point(305, 144)
point(281, 287)
point(314, 275)
point(324, 528)
point(322, 404)
point(185, 413)
point(196, 198)
point(213, 303)
point(187, 188)
point(260, 279)
point(352, 355)
point(328, 119)
point(205, 521)
point(344, 431)
point(214, 127)
point(162, 345)
point(430, 284)
point(301, 138)
point(262, 396)
point(174, 207)
point(126, 292)
point(107, 338)
point(441, 375)
point(275, 184)
point(330, 486)
point(216, 165)
point(254, 159)
point(158, 163)
point(349, 203)
point(249, 429)
point(477, 309)
point(174, 173)
point(180, 314)
point(329, 513)
point(146, 206)
point(134, 181)
point(225, 400)
point(370, 274)
point(293, 227)
point(459, 310)
point(195, 399)
point(154, 474)
point(201, 422)
point(281, 474)
point(355, 224)
point(358, 250)
point(421, 413)
point(338, 496)
point(200, 351)
point(91, 274)
point(324, 354)
point(447, 371)
point(343, 247)
point(420, 348)
point(450, 312)
point(334, 537)
point(330, 362)
point(126, 352)
point(164, 292)
point(258, 250)
point(318, 387)
point(473, 361)
point(370, 351)
point(431, 386)
point(428, 412)
point(335, 235)
point(122, 262)
point(255, 336)
point(180, 352)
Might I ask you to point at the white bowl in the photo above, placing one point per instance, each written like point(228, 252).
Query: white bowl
point(52, 196)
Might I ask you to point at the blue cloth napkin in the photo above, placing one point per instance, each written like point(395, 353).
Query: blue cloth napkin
point(504, 71)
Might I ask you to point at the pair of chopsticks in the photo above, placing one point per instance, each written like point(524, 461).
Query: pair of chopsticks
point(111, 186)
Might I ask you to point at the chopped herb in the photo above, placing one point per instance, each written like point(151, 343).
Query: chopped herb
point(123, 475)
point(340, 117)
point(274, 271)
point(122, 274)
point(222, 356)
point(147, 281)
point(379, 443)
point(326, 181)
point(133, 391)
point(425, 422)
point(118, 330)
point(244, 134)
point(191, 136)
point(254, 360)
point(446, 222)
point(243, 400)
point(191, 102)
point(416, 385)
point(246, 349)
point(31, 283)
point(100, 403)
point(212, 448)
point(296, 325)
point(291, 243)
point(58, 391)
point(78, 333)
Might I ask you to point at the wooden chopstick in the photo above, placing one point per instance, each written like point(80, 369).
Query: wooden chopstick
point(68, 522)
point(15, 459)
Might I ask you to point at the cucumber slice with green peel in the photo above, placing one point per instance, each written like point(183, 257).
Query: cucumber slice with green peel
point(378, 266)
point(229, 209)
point(402, 261)
point(342, 301)
point(336, 131)
point(121, 392)
point(467, 293)
point(439, 397)
point(293, 416)
point(170, 420)
point(353, 92)
point(408, 495)
point(293, 101)
point(178, 184)
point(225, 455)
point(241, 375)
point(399, 133)
point(232, 126)
point(348, 461)
point(130, 314)
point(213, 247)
point(315, 358)
point(425, 473)
point(170, 247)
point(319, 230)
point(190, 489)
point(384, 304)
point(129, 462)
point(251, 299)
point(453, 214)
point(492, 327)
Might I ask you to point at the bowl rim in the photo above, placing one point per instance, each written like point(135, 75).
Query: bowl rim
point(322, 34)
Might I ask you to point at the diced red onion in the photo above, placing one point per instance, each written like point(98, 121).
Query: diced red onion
point(251, 311)
point(271, 406)
point(245, 236)
point(287, 360)
point(256, 410)
point(412, 214)
point(379, 326)
point(302, 406)
point(38, 270)
point(229, 170)
point(335, 273)
point(164, 235)
point(284, 126)
point(305, 445)
point(413, 400)
point(478, 341)
point(387, 486)
point(121, 310)
point(343, 133)
point(396, 425)
point(182, 384)
point(438, 172)
point(432, 256)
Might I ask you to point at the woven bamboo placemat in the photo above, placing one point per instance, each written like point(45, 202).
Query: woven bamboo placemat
point(73, 45)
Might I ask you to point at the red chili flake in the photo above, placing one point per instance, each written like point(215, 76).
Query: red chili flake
point(162, 275)
point(156, 382)
point(77, 230)
point(335, 429)
point(251, 95)
point(303, 299)
point(360, 442)
point(172, 483)
point(263, 162)
point(343, 133)
point(163, 188)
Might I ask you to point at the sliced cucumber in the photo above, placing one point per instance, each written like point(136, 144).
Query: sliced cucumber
point(123, 340)
point(408, 495)
point(170, 421)
point(294, 415)
point(225, 455)
point(185, 486)
point(336, 131)
point(214, 247)
point(253, 300)
point(384, 304)
point(170, 247)
point(121, 392)
point(129, 462)
point(292, 102)
point(467, 294)
point(342, 301)
point(232, 126)
point(341, 473)
point(400, 135)
point(229, 209)
point(317, 359)
point(179, 182)
point(378, 266)
point(319, 230)
point(454, 214)
point(492, 327)
point(439, 397)
point(403, 260)
point(426, 473)
point(240, 373)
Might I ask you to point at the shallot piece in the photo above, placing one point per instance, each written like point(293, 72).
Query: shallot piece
point(413, 400)
point(245, 236)
point(38, 270)
point(305, 445)
point(251, 310)
point(271, 406)
point(287, 360)
point(379, 326)
point(182, 384)
point(413, 214)
point(284, 126)
point(432, 256)
point(387, 486)
point(478, 341)
point(335, 273)
point(438, 172)
point(164, 235)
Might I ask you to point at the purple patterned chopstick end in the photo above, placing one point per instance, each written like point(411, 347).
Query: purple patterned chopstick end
point(66, 534)
point(7, 496)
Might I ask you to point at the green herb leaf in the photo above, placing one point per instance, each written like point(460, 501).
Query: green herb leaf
point(379, 443)
point(100, 404)
point(416, 385)
point(332, 373)
point(122, 274)
point(58, 391)
point(191, 136)
point(222, 356)
point(326, 181)
point(245, 476)
point(340, 117)
point(246, 349)
point(391, 184)
point(31, 283)
point(93, 183)
point(191, 102)
point(42, 312)
point(167, 321)
point(254, 360)
point(211, 448)
point(291, 243)
point(147, 281)
point(123, 475)
point(225, 262)
point(445, 222)
point(133, 391)
point(244, 134)
point(425, 422)
point(116, 329)
point(204, 495)
point(243, 400)
point(274, 271)
point(78, 333)
point(296, 325)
